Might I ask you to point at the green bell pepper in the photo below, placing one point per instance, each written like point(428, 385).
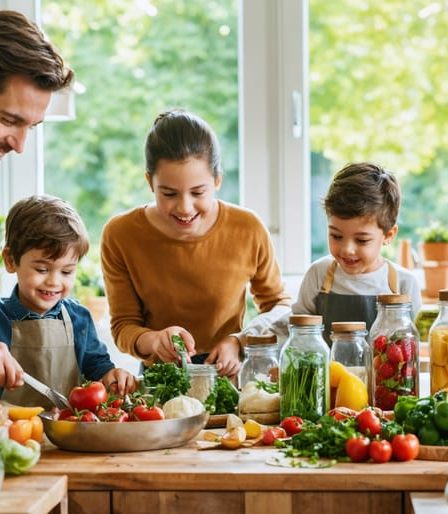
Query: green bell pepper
point(441, 415)
point(404, 405)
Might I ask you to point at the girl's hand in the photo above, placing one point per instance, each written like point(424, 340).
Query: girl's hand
point(119, 381)
point(11, 372)
point(159, 344)
point(226, 355)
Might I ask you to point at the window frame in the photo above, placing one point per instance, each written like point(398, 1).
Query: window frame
point(273, 128)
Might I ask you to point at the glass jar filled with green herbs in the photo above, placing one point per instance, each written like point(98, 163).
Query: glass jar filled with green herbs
point(304, 370)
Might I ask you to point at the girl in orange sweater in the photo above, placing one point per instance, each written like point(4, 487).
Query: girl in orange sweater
point(182, 265)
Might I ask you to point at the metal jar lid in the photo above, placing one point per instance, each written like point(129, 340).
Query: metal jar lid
point(304, 320)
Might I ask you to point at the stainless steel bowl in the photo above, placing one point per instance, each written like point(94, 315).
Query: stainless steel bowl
point(122, 437)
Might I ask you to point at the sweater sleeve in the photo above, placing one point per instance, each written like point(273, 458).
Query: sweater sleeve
point(127, 322)
point(266, 285)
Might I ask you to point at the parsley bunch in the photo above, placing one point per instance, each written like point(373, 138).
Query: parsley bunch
point(325, 438)
point(223, 398)
point(166, 380)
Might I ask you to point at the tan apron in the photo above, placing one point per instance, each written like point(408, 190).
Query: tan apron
point(45, 348)
point(349, 307)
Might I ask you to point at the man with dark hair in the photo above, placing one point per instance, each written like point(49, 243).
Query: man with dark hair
point(30, 70)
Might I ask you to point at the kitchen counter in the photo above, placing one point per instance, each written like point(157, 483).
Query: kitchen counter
point(184, 480)
point(34, 495)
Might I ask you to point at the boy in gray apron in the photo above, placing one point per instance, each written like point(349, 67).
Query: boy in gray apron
point(362, 207)
point(42, 331)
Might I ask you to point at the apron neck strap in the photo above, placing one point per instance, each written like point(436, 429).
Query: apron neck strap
point(392, 277)
point(328, 282)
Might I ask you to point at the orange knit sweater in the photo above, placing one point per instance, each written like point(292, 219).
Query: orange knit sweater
point(153, 281)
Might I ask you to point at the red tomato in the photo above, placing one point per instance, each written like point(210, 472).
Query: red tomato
point(292, 425)
point(88, 396)
point(368, 422)
point(64, 414)
point(117, 402)
point(380, 451)
point(405, 447)
point(357, 448)
point(272, 434)
point(144, 413)
point(112, 414)
point(88, 417)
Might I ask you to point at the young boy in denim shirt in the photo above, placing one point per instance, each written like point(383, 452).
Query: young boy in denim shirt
point(42, 331)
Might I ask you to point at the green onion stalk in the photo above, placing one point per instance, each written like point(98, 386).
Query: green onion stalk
point(304, 385)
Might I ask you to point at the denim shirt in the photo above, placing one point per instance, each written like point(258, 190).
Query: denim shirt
point(92, 355)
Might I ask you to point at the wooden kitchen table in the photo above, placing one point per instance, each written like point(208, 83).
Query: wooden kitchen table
point(185, 480)
point(27, 494)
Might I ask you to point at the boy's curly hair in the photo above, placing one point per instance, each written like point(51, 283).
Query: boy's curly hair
point(364, 189)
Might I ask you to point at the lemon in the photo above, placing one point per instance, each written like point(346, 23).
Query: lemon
point(337, 371)
point(16, 412)
point(351, 392)
point(253, 429)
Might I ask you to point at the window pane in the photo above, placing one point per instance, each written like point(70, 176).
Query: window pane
point(379, 89)
point(134, 59)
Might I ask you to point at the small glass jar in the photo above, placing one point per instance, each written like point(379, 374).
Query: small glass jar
point(395, 347)
point(438, 346)
point(202, 380)
point(350, 348)
point(260, 360)
point(304, 370)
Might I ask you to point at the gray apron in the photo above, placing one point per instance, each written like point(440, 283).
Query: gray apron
point(349, 307)
point(45, 348)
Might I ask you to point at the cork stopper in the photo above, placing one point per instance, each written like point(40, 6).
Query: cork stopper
point(347, 326)
point(303, 320)
point(443, 295)
point(394, 299)
point(261, 339)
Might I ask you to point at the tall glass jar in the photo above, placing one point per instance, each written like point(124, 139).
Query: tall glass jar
point(350, 348)
point(438, 346)
point(304, 370)
point(395, 346)
point(260, 360)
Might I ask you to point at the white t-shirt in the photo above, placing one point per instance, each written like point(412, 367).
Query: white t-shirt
point(373, 283)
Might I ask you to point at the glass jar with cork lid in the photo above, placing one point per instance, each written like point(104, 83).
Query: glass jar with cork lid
point(395, 347)
point(304, 370)
point(260, 360)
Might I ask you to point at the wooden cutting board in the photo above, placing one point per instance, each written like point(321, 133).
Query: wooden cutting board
point(217, 421)
point(433, 452)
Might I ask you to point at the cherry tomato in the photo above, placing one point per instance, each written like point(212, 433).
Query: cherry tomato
point(368, 422)
point(64, 414)
point(144, 413)
point(112, 414)
point(88, 396)
point(21, 430)
point(357, 448)
point(292, 425)
point(405, 447)
point(116, 402)
point(88, 417)
point(380, 451)
point(272, 434)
